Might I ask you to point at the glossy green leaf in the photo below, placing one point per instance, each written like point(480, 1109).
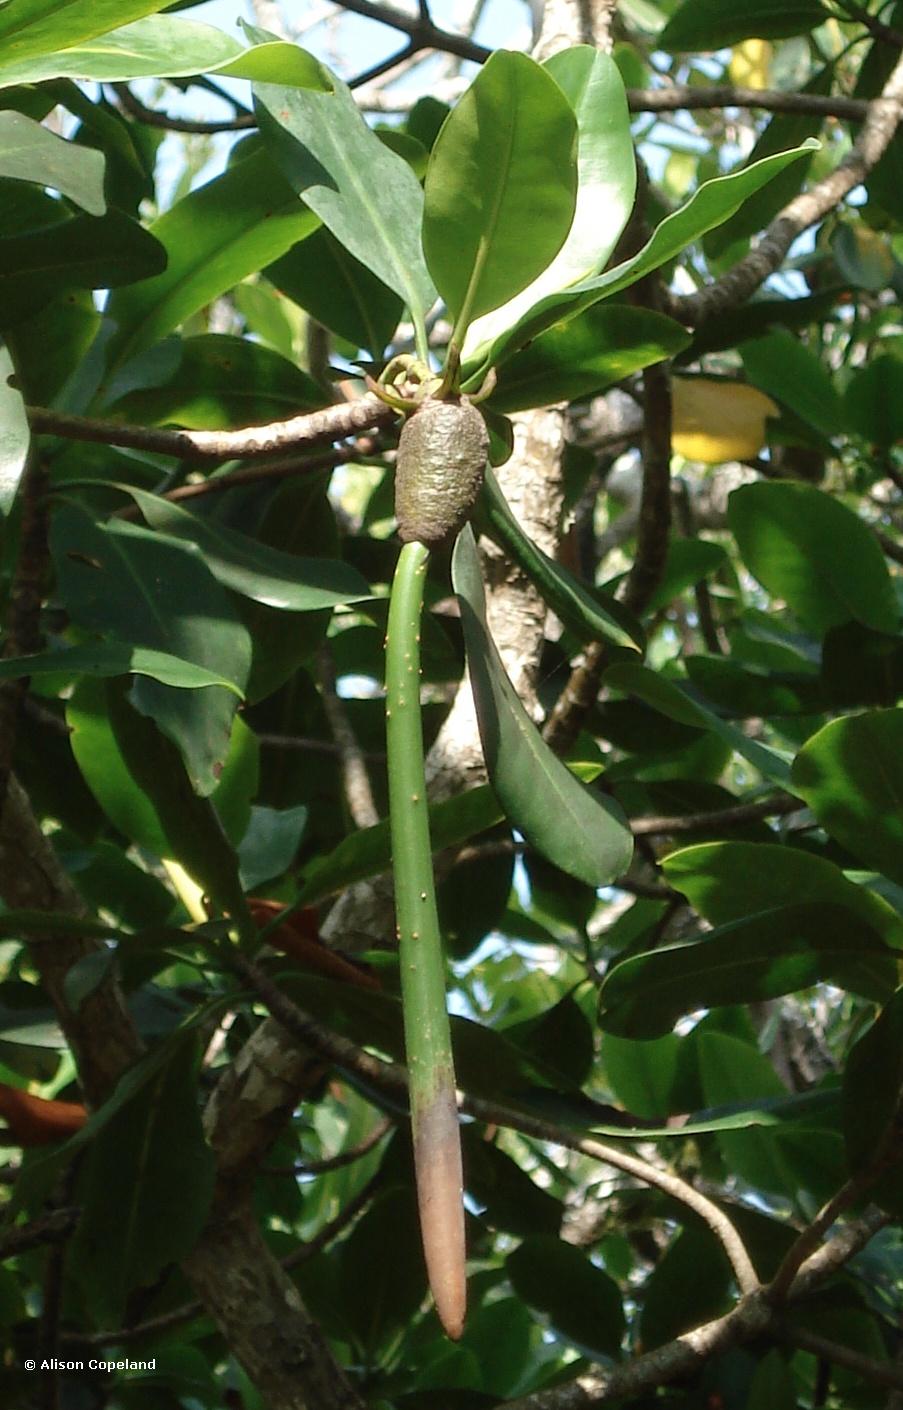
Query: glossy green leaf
point(383, 1294)
point(713, 202)
point(759, 957)
point(15, 436)
point(789, 371)
point(115, 658)
point(807, 547)
point(873, 401)
point(667, 696)
point(510, 1200)
point(872, 1081)
point(481, 195)
point(365, 194)
point(43, 26)
point(581, 611)
point(583, 833)
point(851, 775)
point(784, 1159)
point(773, 1386)
point(129, 808)
point(782, 131)
point(151, 590)
point(222, 382)
point(583, 356)
point(606, 183)
point(147, 1183)
point(161, 47)
point(30, 152)
point(254, 569)
point(338, 291)
point(213, 238)
point(688, 562)
point(86, 252)
point(724, 881)
point(582, 1303)
point(690, 1284)
point(715, 24)
point(643, 1075)
point(367, 852)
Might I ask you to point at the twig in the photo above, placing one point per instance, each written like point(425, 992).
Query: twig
point(744, 278)
point(49, 1229)
point(654, 527)
point(879, 1373)
point(332, 423)
point(718, 817)
point(705, 615)
point(335, 1162)
point(136, 109)
point(309, 745)
point(355, 779)
point(683, 98)
point(423, 33)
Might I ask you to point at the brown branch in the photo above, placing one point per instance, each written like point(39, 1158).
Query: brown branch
point(136, 109)
point(339, 1161)
point(734, 287)
point(49, 1229)
point(355, 778)
point(654, 527)
point(683, 98)
point(315, 428)
point(879, 1373)
point(420, 29)
point(718, 817)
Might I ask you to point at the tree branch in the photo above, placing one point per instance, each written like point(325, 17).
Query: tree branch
point(654, 527)
point(421, 30)
point(315, 428)
point(683, 98)
point(734, 287)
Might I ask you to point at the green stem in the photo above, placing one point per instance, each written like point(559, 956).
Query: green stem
point(434, 1115)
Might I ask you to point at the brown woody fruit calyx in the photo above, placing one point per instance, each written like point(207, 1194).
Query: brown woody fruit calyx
point(442, 454)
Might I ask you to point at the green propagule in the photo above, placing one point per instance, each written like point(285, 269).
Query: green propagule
point(562, 143)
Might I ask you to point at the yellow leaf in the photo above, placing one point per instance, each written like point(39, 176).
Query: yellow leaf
point(750, 64)
point(714, 421)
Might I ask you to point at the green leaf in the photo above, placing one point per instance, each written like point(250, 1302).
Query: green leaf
point(253, 569)
point(367, 852)
point(782, 131)
point(716, 24)
point(583, 356)
point(873, 402)
point(725, 881)
point(773, 1386)
point(807, 547)
point(481, 195)
point(689, 561)
point(213, 238)
point(783, 1158)
point(338, 291)
point(161, 47)
point(872, 1081)
point(760, 957)
point(43, 26)
point(643, 1075)
point(709, 206)
point(582, 1303)
point(86, 252)
point(365, 194)
point(509, 1198)
point(15, 435)
point(146, 1188)
point(222, 382)
point(606, 183)
point(150, 590)
point(115, 658)
point(789, 371)
point(581, 611)
point(851, 775)
point(667, 696)
point(581, 832)
point(30, 152)
point(129, 807)
point(381, 1295)
point(690, 1285)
